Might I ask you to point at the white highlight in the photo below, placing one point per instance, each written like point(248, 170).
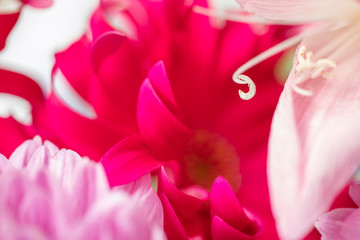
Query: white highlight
point(16, 107)
point(68, 95)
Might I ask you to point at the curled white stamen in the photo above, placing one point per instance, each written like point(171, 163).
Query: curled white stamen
point(310, 69)
point(243, 79)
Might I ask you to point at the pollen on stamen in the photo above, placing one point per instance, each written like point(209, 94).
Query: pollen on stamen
point(308, 68)
point(243, 79)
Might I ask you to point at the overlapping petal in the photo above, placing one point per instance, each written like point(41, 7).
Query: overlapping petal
point(58, 194)
point(313, 145)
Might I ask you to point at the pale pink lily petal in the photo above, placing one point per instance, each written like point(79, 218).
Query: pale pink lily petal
point(314, 145)
point(299, 11)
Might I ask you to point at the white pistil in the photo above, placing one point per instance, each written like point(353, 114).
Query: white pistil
point(243, 79)
point(308, 68)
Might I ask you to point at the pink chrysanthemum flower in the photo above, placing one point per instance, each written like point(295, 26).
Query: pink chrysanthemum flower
point(47, 193)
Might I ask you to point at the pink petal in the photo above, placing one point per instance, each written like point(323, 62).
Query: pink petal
point(142, 192)
point(4, 164)
point(354, 192)
point(298, 11)
point(331, 223)
point(314, 145)
point(159, 117)
point(22, 155)
point(39, 3)
point(128, 160)
point(39, 159)
point(89, 185)
point(64, 164)
point(351, 228)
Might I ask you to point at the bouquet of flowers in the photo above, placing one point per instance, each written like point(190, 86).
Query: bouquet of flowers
point(178, 119)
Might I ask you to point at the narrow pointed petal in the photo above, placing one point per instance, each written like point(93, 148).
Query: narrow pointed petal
point(314, 147)
point(221, 230)
point(172, 225)
point(22, 155)
point(159, 117)
point(39, 159)
point(302, 11)
point(128, 160)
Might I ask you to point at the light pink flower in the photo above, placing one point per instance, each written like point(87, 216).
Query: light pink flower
point(342, 223)
point(47, 193)
point(314, 145)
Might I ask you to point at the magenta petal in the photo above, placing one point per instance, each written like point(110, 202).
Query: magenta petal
point(22, 86)
point(7, 22)
point(221, 230)
point(192, 212)
point(158, 116)
point(178, 199)
point(74, 63)
point(73, 129)
point(15, 133)
point(104, 46)
point(128, 160)
point(225, 205)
